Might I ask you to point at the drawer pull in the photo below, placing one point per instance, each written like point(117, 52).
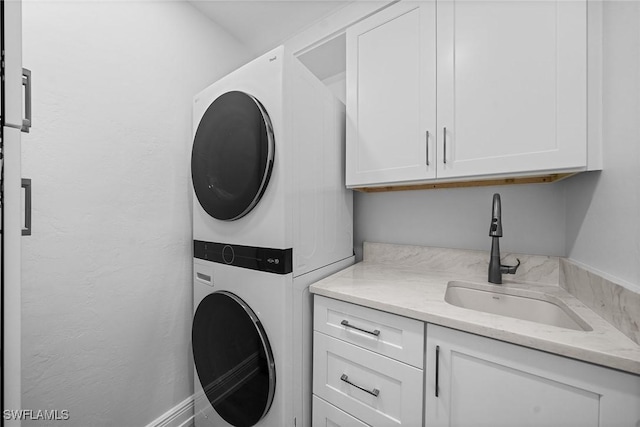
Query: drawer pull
point(375, 392)
point(437, 370)
point(346, 324)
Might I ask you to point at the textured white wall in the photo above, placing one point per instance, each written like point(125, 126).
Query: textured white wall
point(532, 218)
point(107, 290)
point(603, 209)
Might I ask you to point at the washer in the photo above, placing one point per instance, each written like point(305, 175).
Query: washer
point(267, 163)
point(251, 335)
point(271, 215)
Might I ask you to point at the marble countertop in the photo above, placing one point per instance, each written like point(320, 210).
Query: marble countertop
point(413, 290)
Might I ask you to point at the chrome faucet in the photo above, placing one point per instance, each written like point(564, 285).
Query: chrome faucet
point(496, 270)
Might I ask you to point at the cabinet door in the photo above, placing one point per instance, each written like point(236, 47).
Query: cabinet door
point(511, 86)
point(484, 382)
point(391, 96)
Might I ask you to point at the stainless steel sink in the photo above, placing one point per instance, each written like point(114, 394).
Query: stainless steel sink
point(517, 303)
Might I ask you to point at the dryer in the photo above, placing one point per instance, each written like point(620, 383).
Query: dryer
point(268, 163)
point(271, 215)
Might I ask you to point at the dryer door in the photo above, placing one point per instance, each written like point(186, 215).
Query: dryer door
point(232, 157)
point(233, 359)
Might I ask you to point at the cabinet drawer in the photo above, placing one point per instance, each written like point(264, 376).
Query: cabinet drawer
point(394, 336)
point(375, 389)
point(327, 415)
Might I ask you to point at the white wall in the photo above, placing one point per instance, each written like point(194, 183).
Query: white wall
point(532, 218)
point(603, 209)
point(107, 296)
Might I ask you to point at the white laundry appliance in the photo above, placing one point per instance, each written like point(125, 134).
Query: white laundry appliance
point(268, 163)
point(251, 335)
point(271, 215)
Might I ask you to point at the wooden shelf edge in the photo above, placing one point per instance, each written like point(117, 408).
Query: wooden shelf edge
point(460, 184)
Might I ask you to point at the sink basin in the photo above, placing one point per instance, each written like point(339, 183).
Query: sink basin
point(517, 303)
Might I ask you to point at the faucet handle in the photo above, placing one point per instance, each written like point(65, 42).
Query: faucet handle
point(510, 269)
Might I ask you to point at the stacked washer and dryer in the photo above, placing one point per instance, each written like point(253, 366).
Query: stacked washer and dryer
point(271, 215)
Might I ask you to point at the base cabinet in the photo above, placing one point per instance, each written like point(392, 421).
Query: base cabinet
point(452, 378)
point(477, 381)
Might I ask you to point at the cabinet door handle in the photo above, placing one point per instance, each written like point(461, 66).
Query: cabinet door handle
point(26, 82)
point(375, 392)
point(427, 142)
point(26, 184)
point(437, 370)
point(346, 324)
point(444, 140)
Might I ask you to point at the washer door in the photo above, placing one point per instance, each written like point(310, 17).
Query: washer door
point(232, 156)
point(233, 359)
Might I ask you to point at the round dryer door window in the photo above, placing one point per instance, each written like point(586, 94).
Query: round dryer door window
point(233, 359)
point(232, 157)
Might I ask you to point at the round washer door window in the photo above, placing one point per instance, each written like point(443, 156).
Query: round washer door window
point(233, 359)
point(232, 157)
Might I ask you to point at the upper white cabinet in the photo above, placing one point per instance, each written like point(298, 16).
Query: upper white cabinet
point(511, 85)
point(391, 95)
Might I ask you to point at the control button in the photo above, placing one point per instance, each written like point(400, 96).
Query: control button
point(228, 255)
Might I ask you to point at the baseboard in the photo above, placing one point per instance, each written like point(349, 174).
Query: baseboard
point(180, 415)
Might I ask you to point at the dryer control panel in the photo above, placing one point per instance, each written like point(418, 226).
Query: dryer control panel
point(279, 261)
